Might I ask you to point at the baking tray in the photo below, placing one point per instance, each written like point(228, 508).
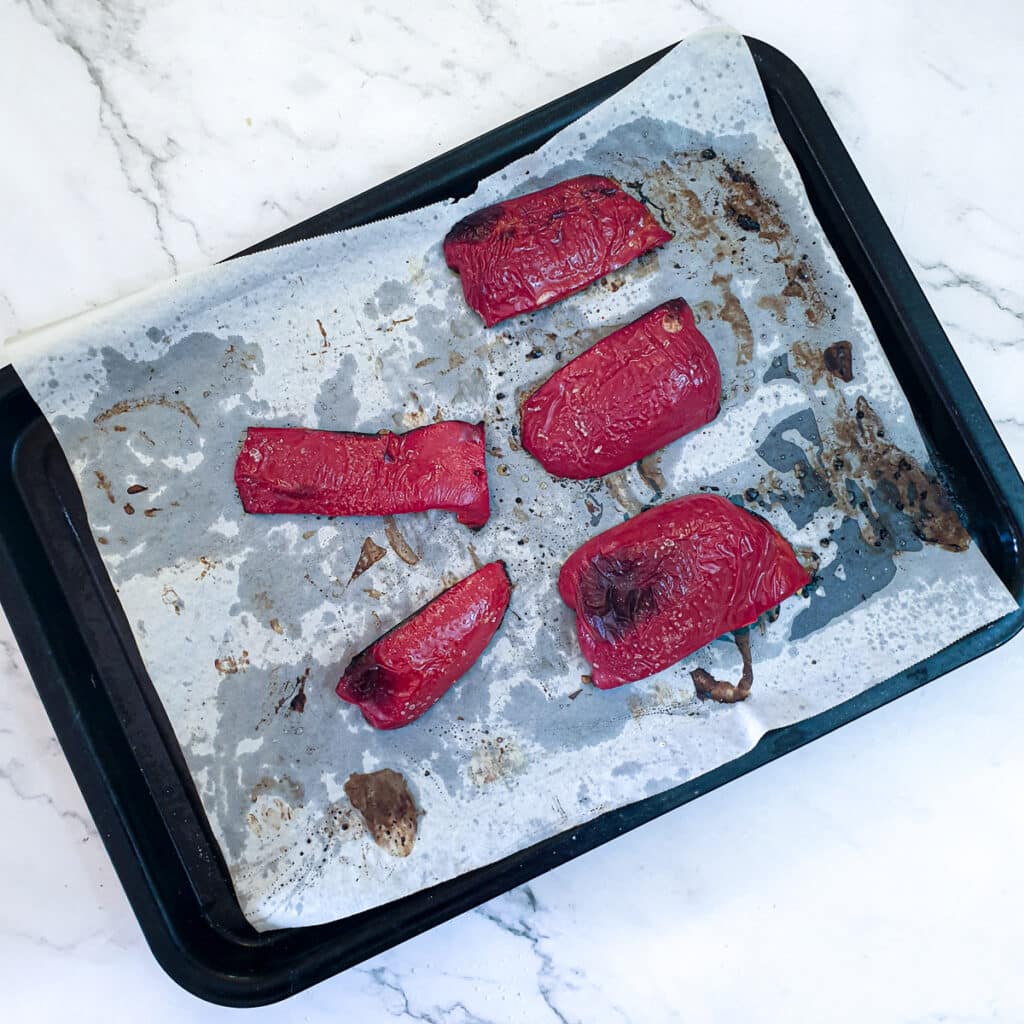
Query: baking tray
point(114, 731)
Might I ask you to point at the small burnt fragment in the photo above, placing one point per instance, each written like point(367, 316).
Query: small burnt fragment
point(369, 556)
point(839, 360)
point(383, 800)
point(724, 692)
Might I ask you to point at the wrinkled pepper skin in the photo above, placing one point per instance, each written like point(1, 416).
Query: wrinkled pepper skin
point(526, 253)
point(632, 393)
point(658, 587)
point(334, 473)
point(404, 673)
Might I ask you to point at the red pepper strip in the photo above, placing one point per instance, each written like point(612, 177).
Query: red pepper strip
point(526, 253)
point(330, 473)
point(658, 587)
point(398, 677)
point(632, 393)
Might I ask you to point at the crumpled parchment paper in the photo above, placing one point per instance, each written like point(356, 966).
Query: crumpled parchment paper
point(245, 622)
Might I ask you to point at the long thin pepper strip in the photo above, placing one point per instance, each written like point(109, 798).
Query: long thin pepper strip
point(330, 473)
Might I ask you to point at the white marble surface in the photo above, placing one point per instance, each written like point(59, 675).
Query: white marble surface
point(871, 876)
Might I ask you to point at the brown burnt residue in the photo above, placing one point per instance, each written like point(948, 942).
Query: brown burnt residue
point(720, 690)
point(275, 625)
point(383, 800)
point(398, 543)
point(287, 787)
point(836, 361)
point(208, 565)
point(149, 513)
point(369, 556)
point(696, 224)
point(714, 203)
point(733, 314)
point(426, 362)
point(649, 468)
point(171, 599)
point(865, 456)
point(809, 359)
point(135, 489)
point(615, 484)
point(129, 405)
point(801, 284)
point(776, 304)
point(448, 579)
point(103, 484)
point(230, 665)
point(323, 334)
point(747, 208)
point(129, 508)
point(839, 360)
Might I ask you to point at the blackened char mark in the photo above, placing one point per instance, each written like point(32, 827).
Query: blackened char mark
point(477, 226)
point(617, 593)
point(362, 675)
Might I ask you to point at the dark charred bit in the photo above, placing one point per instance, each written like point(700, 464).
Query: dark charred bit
point(839, 360)
point(361, 676)
point(298, 702)
point(720, 690)
point(914, 492)
point(477, 226)
point(738, 176)
point(386, 805)
point(708, 154)
point(137, 488)
point(742, 220)
point(575, 693)
point(617, 593)
point(129, 508)
point(369, 556)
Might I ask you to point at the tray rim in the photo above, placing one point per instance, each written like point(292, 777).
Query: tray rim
point(189, 959)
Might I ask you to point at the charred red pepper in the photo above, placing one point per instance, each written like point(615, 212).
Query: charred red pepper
point(526, 253)
point(332, 473)
point(410, 668)
point(656, 588)
point(633, 392)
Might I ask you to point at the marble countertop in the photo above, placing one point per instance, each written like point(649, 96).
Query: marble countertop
point(870, 876)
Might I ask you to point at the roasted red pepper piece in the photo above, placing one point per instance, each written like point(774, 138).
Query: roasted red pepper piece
point(331, 473)
point(526, 253)
point(410, 668)
point(656, 588)
point(632, 393)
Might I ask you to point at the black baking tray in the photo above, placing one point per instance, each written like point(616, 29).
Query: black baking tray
point(114, 731)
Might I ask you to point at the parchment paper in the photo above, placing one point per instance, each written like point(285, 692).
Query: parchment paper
point(245, 622)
